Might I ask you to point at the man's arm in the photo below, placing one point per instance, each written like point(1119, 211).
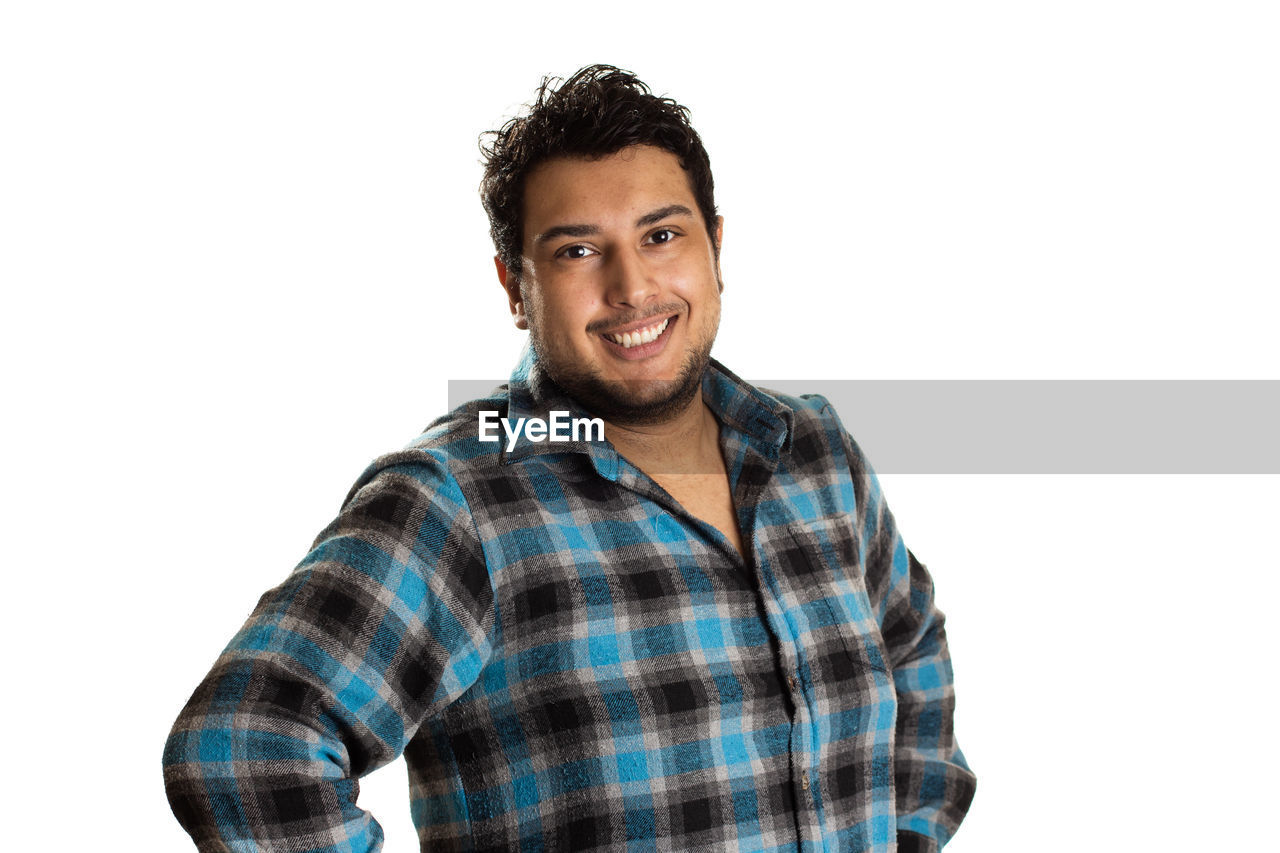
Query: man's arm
point(933, 784)
point(383, 623)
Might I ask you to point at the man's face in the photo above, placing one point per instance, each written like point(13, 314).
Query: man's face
point(620, 283)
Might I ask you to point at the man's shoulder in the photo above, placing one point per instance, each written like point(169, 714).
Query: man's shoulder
point(747, 403)
point(455, 436)
point(448, 451)
point(808, 412)
point(818, 432)
point(809, 406)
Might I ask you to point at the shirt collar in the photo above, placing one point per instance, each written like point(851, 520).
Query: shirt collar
point(764, 419)
point(746, 408)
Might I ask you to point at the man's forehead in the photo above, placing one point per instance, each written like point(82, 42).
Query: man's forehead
point(618, 187)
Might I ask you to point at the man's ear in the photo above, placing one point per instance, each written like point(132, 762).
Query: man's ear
point(511, 284)
point(719, 243)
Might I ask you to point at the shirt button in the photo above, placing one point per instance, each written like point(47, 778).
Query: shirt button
point(804, 783)
point(791, 679)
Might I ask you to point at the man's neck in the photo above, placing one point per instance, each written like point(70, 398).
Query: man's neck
point(683, 456)
point(687, 443)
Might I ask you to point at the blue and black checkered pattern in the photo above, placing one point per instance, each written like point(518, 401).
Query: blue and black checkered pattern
point(570, 661)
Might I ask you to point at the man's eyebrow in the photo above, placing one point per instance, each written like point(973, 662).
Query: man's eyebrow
point(566, 231)
point(654, 217)
point(651, 218)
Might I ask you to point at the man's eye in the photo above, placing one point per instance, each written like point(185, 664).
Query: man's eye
point(662, 235)
point(577, 252)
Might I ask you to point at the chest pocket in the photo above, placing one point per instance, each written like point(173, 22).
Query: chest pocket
point(826, 579)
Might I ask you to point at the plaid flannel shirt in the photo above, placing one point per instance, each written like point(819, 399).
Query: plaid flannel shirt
point(569, 660)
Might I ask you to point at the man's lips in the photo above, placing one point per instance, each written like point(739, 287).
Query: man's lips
point(638, 334)
point(640, 340)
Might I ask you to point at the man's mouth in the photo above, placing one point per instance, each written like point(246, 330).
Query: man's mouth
point(638, 337)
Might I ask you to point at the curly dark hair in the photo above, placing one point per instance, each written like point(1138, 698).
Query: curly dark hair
point(598, 111)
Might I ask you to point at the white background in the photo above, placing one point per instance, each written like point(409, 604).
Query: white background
point(242, 252)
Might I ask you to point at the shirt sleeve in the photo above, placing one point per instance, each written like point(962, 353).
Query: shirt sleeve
point(933, 784)
point(384, 622)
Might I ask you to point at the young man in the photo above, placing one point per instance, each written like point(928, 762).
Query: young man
point(699, 630)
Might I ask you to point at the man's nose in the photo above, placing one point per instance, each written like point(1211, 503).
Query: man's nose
point(630, 280)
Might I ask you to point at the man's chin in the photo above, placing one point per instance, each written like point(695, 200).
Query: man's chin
point(638, 401)
point(630, 401)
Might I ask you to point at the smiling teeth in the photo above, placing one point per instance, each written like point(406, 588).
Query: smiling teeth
point(640, 336)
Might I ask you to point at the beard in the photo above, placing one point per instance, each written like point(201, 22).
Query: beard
point(630, 402)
